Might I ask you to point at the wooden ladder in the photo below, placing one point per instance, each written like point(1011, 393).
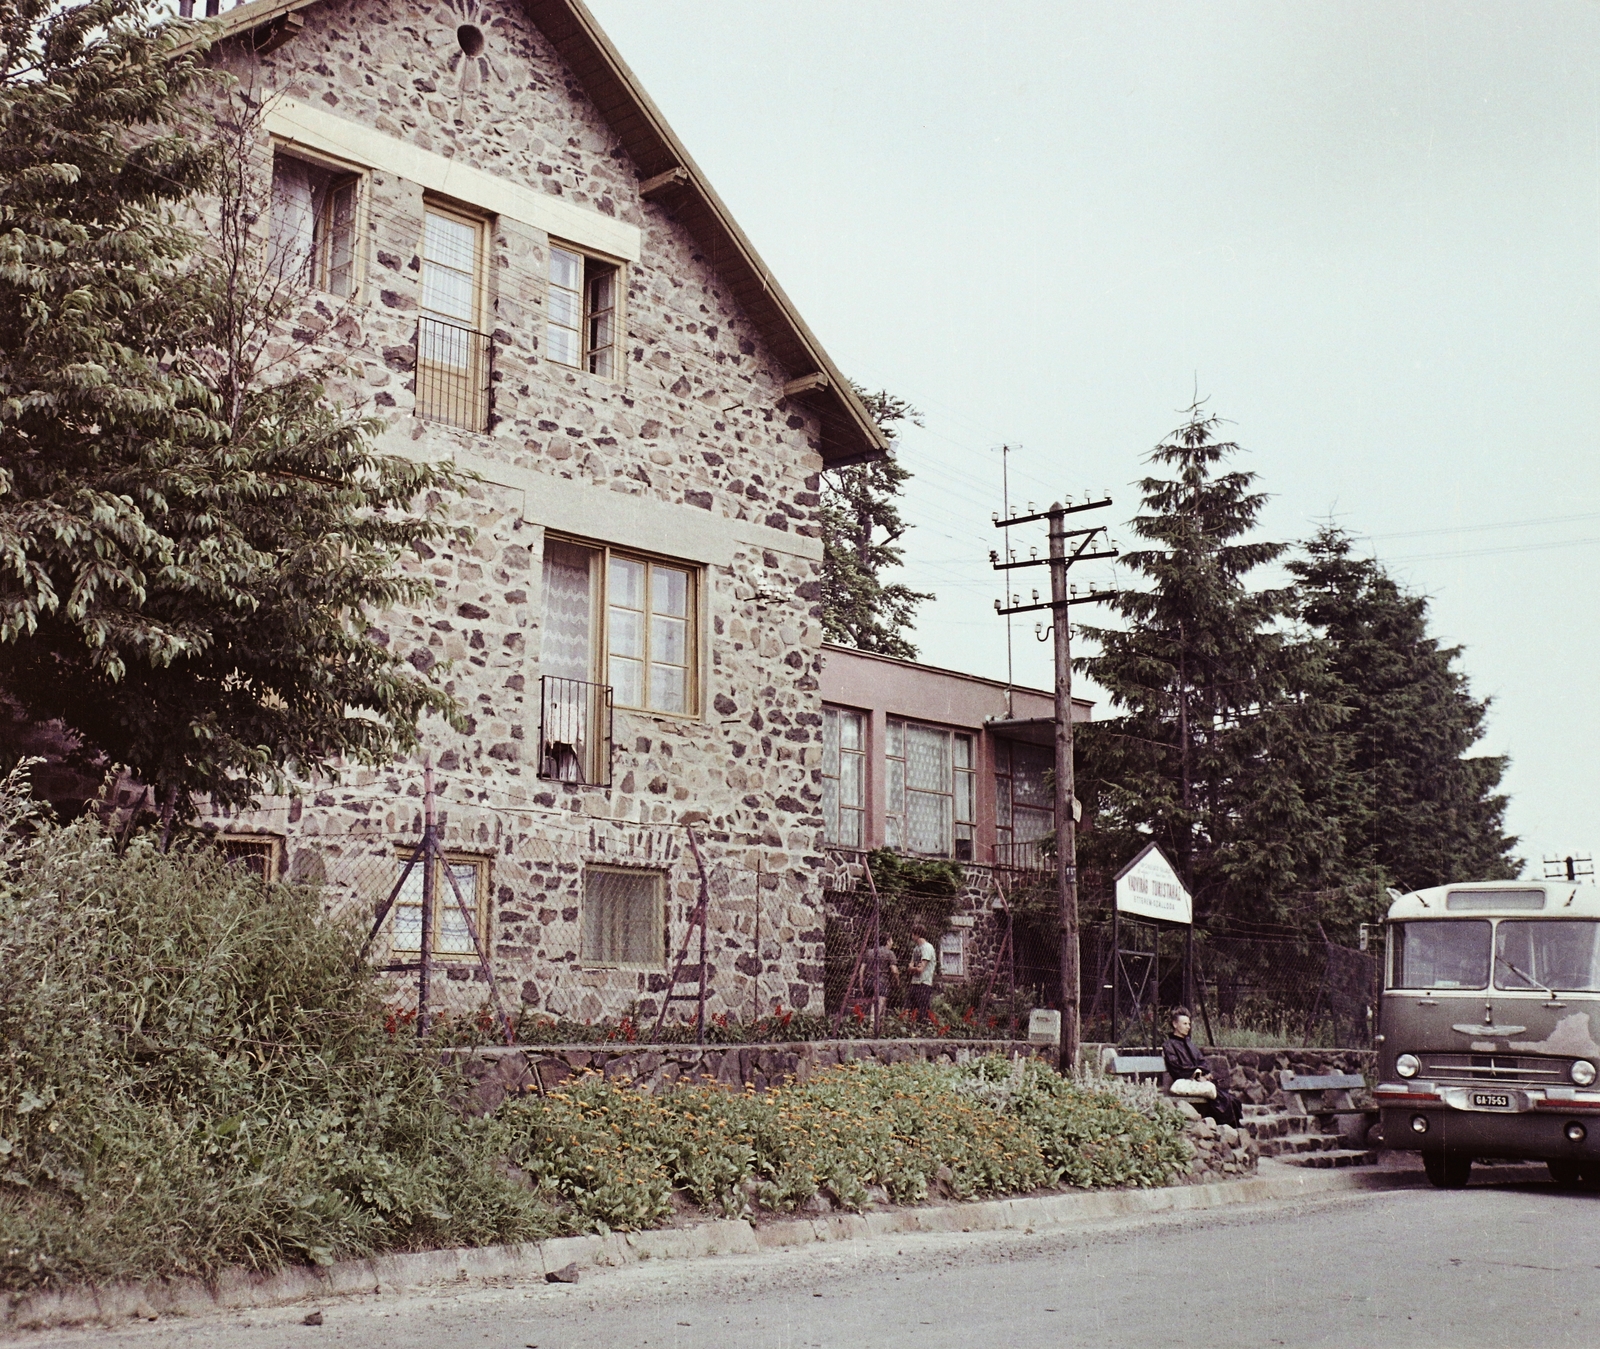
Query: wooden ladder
point(697, 919)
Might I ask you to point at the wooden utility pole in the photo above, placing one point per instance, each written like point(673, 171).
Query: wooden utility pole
point(1060, 602)
point(1066, 835)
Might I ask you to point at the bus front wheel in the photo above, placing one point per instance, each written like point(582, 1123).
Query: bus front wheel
point(1447, 1170)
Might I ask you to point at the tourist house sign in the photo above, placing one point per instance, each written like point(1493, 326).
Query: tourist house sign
point(1148, 887)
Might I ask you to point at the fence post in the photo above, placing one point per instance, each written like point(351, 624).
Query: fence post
point(430, 857)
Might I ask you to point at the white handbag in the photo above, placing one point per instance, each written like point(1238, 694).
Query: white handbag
point(1194, 1089)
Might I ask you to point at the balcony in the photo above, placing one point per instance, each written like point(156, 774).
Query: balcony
point(575, 731)
point(455, 371)
point(1032, 855)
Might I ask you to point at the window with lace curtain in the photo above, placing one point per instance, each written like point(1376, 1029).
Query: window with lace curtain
point(625, 620)
point(931, 801)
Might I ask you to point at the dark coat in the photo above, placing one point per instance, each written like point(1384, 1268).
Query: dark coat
point(1182, 1057)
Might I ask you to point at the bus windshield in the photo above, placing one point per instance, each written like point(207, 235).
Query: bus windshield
point(1558, 953)
point(1442, 953)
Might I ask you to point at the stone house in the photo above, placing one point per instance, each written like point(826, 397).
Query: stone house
point(529, 276)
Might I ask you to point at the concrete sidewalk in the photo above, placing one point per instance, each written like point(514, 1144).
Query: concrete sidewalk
point(448, 1269)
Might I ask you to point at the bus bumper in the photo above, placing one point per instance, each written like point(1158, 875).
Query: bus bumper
point(1532, 1125)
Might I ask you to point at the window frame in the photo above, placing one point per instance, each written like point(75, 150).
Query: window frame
point(953, 943)
point(897, 775)
point(268, 846)
point(444, 897)
point(1006, 801)
point(863, 756)
point(480, 222)
point(600, 624)
point(360, 176)
point(660, 880)
point(600, 263)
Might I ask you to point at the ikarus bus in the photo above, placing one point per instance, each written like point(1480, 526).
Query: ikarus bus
point(1489, 1029)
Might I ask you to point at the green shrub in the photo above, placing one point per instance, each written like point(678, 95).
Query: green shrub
point(611, 1155)
point(194, 1073)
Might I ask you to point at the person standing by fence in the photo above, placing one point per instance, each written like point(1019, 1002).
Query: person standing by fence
point(920, 967)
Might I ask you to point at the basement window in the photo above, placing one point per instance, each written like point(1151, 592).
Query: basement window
point(582, 328)
point(624, 917)
point(313, 238)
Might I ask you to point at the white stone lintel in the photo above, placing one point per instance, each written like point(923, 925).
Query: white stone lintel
point(327, 133)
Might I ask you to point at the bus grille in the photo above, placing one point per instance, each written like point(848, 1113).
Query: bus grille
point(1496, 1068)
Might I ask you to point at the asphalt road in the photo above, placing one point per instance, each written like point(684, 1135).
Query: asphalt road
point(1490, 1266)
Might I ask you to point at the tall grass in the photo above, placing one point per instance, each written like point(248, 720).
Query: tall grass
point(194, 1073)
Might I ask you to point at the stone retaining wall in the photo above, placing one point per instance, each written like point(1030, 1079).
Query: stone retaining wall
point(500, 1072)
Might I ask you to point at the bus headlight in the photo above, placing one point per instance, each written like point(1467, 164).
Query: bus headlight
point(1407, 1064)
point(1583, 1073)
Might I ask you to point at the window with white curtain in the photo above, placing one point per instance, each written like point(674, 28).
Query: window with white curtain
point(624, 620)
point(452, 937)
point(931, 802)
point(313, 240)
point(844, 777)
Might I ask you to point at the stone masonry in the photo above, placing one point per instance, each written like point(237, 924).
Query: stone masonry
point(693, 453)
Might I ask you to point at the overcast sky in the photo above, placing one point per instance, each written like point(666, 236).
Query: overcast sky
point(1371, 232)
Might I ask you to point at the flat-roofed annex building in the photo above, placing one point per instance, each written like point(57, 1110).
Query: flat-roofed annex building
point(529, 275)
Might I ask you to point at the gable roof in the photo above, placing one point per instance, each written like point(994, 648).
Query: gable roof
point(670, 177)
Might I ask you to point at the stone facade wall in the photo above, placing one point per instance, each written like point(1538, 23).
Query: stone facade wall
point(497, 1073)
point(694, 439)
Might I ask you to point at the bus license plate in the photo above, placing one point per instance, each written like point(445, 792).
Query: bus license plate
point(1491, 1100)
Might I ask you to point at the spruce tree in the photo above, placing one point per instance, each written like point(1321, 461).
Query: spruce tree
point(861, 527)
point(1218, 744)
point(1426, 811)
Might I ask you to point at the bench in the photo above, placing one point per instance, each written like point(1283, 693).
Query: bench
point(1136, 1067)
point(1333, 1103)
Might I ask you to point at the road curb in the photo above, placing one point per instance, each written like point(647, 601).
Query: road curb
point(240, 1289)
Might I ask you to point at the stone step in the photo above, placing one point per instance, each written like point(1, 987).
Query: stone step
point(1300, 1145)
point(1333, 1158)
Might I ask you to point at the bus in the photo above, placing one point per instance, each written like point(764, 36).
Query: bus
point(1489, 1028)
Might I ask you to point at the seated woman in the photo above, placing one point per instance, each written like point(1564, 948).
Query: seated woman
point(1184, 1061)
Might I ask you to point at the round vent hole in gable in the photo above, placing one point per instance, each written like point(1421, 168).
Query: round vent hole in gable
point(470, 36)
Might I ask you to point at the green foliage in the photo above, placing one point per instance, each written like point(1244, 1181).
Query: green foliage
point(192, 542)
point(194, 1073)
point(861, 527)
point(914, 889)
point(1425, 811)
point(611, 1156)
point(1220, 746)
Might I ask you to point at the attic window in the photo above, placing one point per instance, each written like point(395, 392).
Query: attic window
point(470, 36)
point(582, 328)
point(313, 239)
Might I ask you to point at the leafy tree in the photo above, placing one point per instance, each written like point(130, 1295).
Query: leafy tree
point(861, 527)
point(190, 550)
point(1220, 748)
point(1426, 811)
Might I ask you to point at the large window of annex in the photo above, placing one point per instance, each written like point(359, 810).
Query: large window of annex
point(620, 630)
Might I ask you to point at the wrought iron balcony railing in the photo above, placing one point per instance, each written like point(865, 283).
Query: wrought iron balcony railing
point(455, 371)
point(575, 720)
point(1026, 856)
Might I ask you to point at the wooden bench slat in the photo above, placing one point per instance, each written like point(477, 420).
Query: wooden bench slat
point(1325, 1082)
point(1124, 1065)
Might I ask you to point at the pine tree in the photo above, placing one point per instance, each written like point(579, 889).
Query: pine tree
point(1427, 811)
point(861, 527)
point(190, 555)
point(1219, 746)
